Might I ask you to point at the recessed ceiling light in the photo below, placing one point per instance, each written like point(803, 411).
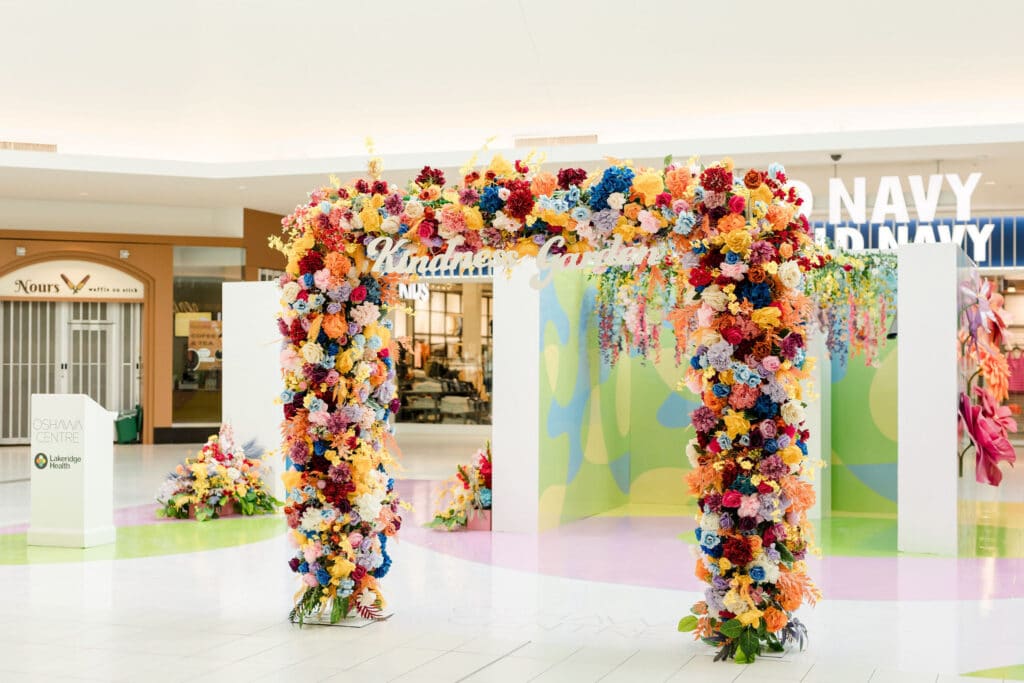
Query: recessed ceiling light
point(83, 194)
point(990, 182)
point(242, 187)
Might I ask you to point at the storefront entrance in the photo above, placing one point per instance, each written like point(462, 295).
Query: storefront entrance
point(92, 348)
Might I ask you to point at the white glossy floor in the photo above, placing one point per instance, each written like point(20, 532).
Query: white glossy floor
point(220, 616)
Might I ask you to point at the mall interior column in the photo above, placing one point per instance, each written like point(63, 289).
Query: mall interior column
point(516, 403)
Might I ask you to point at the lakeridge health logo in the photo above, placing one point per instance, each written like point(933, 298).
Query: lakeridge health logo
point(41, 460)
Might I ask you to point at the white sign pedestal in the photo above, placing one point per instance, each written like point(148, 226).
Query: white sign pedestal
point(72, 472)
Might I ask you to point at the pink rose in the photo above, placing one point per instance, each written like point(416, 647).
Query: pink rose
point(768, 429)
point(731, 498)
point(680, 205)
point(737, 204)
point(332, 378)
point(771, 363)
point(749, 506)
point(358, 295)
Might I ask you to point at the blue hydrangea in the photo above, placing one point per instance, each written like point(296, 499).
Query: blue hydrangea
point(490, 202)
point(709, 540)
point(580, 214)
point(771, 445)
point(759, 294)
point(615, 179)
point(732, 258)
point(485, 497)
point(757, 573)
point(323, 576)
point(802, 446)
point(721, 390)
point(346, 586)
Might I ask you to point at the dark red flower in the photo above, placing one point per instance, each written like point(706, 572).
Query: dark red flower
point(379, 187)
point(737, 551)
point(716, 179)
point(764, 489)
point(430, 176)
point(571, 176)
point(311, 262)
point(362, 186)
point(521, 167)
point(358, 295)
point(520, 200)
point(733, 335)
point(663, 199)
point(297, 333)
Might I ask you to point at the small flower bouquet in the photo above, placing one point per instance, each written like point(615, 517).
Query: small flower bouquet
point(465, 500)
point(207, 485)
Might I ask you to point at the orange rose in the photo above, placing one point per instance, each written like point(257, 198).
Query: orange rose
point(631, 211)
point(677, 180)
point(775, 619)
point(702, 573)
point(756, 274)
point(543, 184)
point(334, 325)
point(752, 180)
point(777, 216)
point(762, 349)
point(733, 221)
point(786, 250)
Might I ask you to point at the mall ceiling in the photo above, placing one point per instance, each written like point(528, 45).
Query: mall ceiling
point(252, 102)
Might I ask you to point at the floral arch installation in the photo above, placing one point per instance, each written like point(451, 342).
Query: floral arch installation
point(733, 246)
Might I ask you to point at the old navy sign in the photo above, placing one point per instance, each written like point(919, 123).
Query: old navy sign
point(904, 212)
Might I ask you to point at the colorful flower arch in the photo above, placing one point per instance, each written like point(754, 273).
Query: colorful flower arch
point(734, 247)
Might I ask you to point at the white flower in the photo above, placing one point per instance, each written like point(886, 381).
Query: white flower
point(793, 412)
point(616, 200)
point(368, 506)
point(505, 223)
point(692, 452)
point(789, 274)
point(413, 209)
point(233, 473)
point(709, 523)
point(391, 225)
point(735, 603)
point(771, 570)
point(714, 297)
point(503, 194)
point(367, 598)
point(312, 353)
point(312, 520)
point(290, 291)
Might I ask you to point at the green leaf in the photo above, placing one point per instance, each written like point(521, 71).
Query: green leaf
point(732, 628)
point(750, 643)
point(742, 657)
point(667, 160)
point(335, 611)
point(687, 624)
point(784, 553)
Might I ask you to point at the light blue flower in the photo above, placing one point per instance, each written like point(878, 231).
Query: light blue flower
point(301, 306)
point(359, 340)
point(328, 362)
point(709, 540)
point(287, 396)
point(485, 497)
point(316, 405)
point(684, 223)
point(325, 207)
point(776, 169)
point(375, 343)
point(724, 442)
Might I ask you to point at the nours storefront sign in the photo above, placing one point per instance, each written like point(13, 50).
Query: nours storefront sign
point(904, 212)
point(68, 280)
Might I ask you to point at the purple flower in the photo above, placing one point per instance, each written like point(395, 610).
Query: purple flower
point(772, 554)
point(773, 467)
point(468, 196)
point(334, 307)
point(775, 391)
point(791, 344)
point(703, 419)
point(299, 452)
point(393, 204)
point(761, 251)
point(604, 221)
point(747, 524)
point(725, 521)
point(353, 328)
point(336, 423)
point(340, 473)
point(720, 355)
point(768, 429)
point(720, 583)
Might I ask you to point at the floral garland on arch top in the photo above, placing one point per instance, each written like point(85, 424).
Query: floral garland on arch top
point(737, 247)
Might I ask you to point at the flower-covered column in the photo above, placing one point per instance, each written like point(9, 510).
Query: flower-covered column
point(749, 339)
point(339, 376)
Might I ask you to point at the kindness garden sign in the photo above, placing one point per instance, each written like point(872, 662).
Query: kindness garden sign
point(733, 245)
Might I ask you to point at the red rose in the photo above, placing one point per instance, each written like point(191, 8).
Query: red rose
point(764, 488)
point(362, 186)
point(737, 550)
point(699, 278)
point(379, 187)
point(426, 230)
point(663, 199)
point(723, 280)
point(358, 295)
point(737, 203)
point(358, 573)
point(430, 176)
point(521, 167)
point(732, 499)
point(733, 335)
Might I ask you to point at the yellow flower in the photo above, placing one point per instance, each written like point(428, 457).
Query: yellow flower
point(736, 424)
point(791, 454)
point(750, 618)
point(341, 568)
point(762, 194)
point(769, 316)
point(724, 564)
point(371, 219)
point(501, 166)
point(474, 221)
point(649, 185)
point(291, 479)
point(738, 241)
point(771, 267)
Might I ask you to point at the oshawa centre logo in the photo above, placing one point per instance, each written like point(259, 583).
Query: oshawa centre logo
point(41, 461)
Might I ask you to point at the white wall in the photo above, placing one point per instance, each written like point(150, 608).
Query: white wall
point(130, 219)
point(252, 369)
point(515, 409)
point(927, 404)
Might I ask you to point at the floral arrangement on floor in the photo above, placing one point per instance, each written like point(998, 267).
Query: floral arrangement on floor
point(466, 493)
point(855, 299)
point(220, 475)
point(985, 420)
point(733, 245)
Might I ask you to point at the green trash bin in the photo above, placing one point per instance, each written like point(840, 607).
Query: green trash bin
point(127, 426)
